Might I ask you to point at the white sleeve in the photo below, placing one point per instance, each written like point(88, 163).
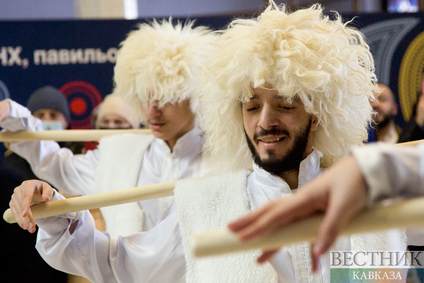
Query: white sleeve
point(72, 174)
point(391, 171)
point(153, 256)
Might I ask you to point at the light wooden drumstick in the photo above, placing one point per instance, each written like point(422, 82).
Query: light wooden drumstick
point(404, 214)
point(411, 143)
point(47, 209)
point(106, 199)
point(66, 135)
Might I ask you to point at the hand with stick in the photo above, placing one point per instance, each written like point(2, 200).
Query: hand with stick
point(27, 194)
point(340, 193)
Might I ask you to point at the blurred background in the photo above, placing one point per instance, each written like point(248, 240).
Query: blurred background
point(72, 44)
point(132, 9)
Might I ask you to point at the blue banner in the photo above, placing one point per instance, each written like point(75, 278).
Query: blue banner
point(78, 57)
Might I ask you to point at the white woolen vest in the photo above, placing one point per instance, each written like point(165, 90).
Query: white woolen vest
point(211, 203)
point(118, 168)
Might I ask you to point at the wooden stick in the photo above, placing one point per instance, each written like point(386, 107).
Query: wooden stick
point(411, 143)
point(104, 199)
point(88, 135)
point(400, 215)
point(66, 135)
point(47, 209)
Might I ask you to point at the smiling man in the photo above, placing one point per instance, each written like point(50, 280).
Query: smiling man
point(292, 87)
point(157, 71)
point(279, 145)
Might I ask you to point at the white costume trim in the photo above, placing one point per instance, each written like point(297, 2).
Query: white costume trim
point(119, 168)
point(211, 203)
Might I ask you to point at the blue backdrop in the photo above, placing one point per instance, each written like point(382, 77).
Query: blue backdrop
point(78, 57)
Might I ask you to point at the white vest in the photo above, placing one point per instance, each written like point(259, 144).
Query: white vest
point(212, 203)
point(119, 168)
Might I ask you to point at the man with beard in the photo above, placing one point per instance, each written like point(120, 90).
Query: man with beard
point(386, 110)
point(292, 87)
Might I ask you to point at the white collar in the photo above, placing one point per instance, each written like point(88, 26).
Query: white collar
point(308, 170)
point(189, 142)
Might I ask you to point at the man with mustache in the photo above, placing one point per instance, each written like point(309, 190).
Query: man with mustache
point(386, 110)
point(292, 87)
point(157, 71)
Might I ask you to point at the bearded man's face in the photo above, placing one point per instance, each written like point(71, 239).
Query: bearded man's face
point(279, 133)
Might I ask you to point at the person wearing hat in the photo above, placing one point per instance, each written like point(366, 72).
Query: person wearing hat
point(50, 106)
point(115, 113)
point(158, 71)
point(284, 96)
point(112, 113)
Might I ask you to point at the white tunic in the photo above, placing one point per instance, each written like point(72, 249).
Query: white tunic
point(157, 255)
point(391, 171)
point(75, 174)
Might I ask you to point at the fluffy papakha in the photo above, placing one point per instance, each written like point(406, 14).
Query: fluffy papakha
point(162, 62)
point(304, 54)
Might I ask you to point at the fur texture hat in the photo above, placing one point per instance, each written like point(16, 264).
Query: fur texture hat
point(162, 62)
point(322, 61)
point(114, 104)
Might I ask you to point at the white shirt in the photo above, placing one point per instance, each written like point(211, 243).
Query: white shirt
point(391, 171)
point(156, 255)
point(160, 165)
point(75, 174)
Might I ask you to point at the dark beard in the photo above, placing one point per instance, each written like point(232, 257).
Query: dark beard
point(386, 120)
point(277, 165)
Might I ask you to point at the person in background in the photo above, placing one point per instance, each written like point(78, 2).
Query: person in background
point(113, 113)
point(386, 110)
point(50, 106)
point(414, 129)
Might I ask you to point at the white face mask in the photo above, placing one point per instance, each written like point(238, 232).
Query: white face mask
point(52, 125)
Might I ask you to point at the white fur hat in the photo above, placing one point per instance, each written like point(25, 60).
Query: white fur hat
point(305, 54)
point(114, 104)
point(162, 62)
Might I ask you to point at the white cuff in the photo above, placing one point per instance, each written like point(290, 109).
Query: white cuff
point(370, 158)
point(59, 223)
